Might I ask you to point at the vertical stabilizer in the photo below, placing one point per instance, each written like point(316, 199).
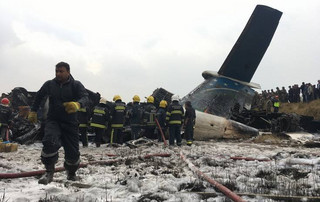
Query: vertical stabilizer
point(252, 44)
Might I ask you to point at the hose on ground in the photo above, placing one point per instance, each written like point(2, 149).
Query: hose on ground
point(59, 169)
point(219, 186)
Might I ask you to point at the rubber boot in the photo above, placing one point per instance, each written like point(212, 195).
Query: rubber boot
point(71, 172)
point(48, 176)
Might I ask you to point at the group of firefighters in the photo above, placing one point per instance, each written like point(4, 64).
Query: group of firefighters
point(108, 119)
point(68, 115)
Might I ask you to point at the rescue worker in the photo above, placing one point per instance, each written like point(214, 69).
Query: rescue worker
point(161, 117)
point(5, 119)
point(149, 116)
point(83, 118)
point(174, 118)
point(276, 104)
point(100, 119)
point(66, 97)
point(189, 122)
point(135, 114)
point(118, 113)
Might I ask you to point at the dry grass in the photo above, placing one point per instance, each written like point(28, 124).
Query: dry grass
point(307, 109)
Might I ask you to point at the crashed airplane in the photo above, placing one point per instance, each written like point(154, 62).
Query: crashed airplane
point(221, 91)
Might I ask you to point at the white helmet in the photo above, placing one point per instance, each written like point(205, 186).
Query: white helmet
point(175, 98)
point(103, 100)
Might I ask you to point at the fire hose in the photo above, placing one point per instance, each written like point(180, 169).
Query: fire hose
point(162, 135)
point(59, 169)
point(219, 186)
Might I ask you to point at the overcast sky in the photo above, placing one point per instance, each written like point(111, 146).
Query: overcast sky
point(129, 47)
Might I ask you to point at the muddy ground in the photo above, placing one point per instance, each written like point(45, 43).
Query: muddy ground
point(259, 169)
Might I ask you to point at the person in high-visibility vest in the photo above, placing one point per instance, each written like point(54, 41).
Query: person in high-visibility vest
point(175, 115)
point(99, 120)
point(118, 117)
point(83, 118)
point(149, 115)
point(276, 104)
point(161, 116)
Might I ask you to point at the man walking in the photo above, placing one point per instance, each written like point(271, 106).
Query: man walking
point(66, 97)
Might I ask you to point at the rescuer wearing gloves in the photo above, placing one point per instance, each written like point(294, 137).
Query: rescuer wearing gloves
point(66, 97)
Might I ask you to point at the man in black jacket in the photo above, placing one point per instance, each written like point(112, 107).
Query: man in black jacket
point(66, 97)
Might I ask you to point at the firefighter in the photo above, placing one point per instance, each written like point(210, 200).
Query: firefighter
point(66, 97)
point(100, 119)
point(5, 119)
point(118, 113)
point(83, 118)
point(175, 114)
point(161, 117)
point(134, 115)
point(189, 122)
point(149, 115)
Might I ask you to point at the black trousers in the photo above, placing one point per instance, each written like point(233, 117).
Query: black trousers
point(116, 136)
point(188, 132)
point(99, 133)
point(84, 135)
point(57, 134)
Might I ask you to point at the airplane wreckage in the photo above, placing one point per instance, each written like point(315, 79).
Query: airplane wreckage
point(214, 99)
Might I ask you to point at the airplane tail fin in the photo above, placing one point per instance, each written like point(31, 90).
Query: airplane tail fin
point(252, 44)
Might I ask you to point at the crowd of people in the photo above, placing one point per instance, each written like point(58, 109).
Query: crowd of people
point(269, 99)
point(307, 91)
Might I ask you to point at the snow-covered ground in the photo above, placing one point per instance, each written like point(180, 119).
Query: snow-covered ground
point(282, 171)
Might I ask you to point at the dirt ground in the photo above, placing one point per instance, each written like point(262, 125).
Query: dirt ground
point(307, 109)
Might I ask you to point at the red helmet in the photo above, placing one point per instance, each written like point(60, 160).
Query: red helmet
point(5, 101)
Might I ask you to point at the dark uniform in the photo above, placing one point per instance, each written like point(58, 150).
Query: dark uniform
point(99, 121)
point(135, 114)
point(5, 118)
point(61, 128)
point(149, 116)
point(174, 118)
point(189, 122)
point(83, 118)
point(161, 117)
point(118, 116)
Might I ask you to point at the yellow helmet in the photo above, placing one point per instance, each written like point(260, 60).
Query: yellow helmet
point(136, 98)
point(163, 104)
point(150, 99)
point(116, 97)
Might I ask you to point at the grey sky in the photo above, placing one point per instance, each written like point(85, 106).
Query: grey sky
point(133, 47)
